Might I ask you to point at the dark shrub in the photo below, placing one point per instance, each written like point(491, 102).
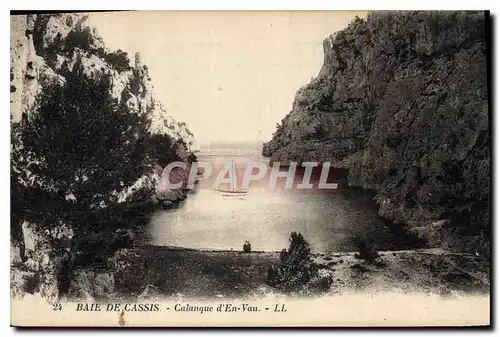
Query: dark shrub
point(366, 249)
point(297, 272)
point(192, 158)
point(32, 284)
point(51, 60)
point(137, 83)
point(118, 60)
point(162, 147)
point(76, 38)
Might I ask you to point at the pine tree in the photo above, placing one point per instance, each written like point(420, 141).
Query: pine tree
point(82, 142)
point(296, 269)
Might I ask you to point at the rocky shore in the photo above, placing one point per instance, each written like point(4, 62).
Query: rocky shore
point(155, 273)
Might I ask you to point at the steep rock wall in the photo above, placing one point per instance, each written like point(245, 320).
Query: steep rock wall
point(43, 49)
point(401, 102)
point(39, 51)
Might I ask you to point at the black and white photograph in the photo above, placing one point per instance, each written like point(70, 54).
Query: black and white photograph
point(250, 168)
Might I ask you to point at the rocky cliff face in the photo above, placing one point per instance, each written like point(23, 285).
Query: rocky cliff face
point(42, 45)
point(43, 49)
point(401, 103)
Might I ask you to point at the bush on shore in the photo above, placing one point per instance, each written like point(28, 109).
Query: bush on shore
point(297, 273)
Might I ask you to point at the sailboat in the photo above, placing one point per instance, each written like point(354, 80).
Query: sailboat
point(233, 191)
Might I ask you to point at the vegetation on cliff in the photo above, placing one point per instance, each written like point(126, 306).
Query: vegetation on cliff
point(84, 146)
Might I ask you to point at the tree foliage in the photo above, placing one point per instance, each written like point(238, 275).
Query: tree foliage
point(83, 39)
point(161, 147)
point(76, 38)
point(118, 60)
point(297, 272)
point(81, 142)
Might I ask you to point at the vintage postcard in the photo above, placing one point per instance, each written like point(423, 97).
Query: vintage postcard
point(250, 168)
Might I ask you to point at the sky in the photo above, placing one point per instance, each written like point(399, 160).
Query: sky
point(231, 76)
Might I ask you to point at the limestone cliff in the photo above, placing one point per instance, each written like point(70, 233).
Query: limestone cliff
point(44, 48)
point(42, 45)
point(401, 103)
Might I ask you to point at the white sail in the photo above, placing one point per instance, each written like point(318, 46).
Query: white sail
point(234, 191)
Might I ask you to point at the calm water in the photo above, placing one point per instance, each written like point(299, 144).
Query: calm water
point(208, 219)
